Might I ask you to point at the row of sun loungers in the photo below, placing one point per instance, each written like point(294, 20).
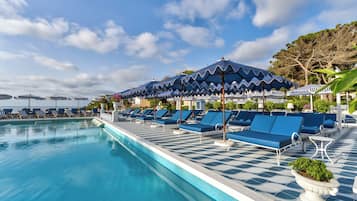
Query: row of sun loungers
point(50, 113)
point(276, 131)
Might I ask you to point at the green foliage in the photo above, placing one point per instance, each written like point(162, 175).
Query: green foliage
point(269, 106)
point(169, 106)
point(217, 105)
point(185, 107)
point(299, 103)
point(188, 72)
point(314, 169)
point(209, 105)
point(154, 102)
point(249, 105)
point(342, 81)
point(280, 106)
point(231, 105)
point(322, 105)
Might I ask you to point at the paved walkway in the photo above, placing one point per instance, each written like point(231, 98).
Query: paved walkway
point(255, 167)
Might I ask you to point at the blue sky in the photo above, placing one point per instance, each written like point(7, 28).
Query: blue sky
point(90, 48)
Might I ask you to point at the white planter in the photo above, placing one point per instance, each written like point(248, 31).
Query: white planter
point(115, 106)
point(315, 189)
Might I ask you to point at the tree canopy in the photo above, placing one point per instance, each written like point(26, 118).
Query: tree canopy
point(325, 49)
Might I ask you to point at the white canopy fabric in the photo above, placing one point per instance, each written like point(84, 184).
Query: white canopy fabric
point(309, 90)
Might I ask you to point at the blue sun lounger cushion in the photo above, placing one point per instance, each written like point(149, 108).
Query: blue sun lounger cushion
point(159, 114)
point(211, 121)
point(244, 118)
point(330, 120)
point(312, 122)
point(175, 118)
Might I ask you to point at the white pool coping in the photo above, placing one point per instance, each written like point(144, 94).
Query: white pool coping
point(231, 188)
point(44, 119)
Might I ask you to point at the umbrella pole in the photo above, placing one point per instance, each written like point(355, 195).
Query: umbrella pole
point(223, 108)
point(180, 109)
point(311, 103)
point(263, 100)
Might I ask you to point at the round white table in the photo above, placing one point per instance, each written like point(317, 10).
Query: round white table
point(324, 143)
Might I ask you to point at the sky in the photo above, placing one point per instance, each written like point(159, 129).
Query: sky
point(91, 48)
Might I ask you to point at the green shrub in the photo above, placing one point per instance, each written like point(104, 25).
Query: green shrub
point(249, 105)
point(154, 102)
point(209, 105)
point(322, 105)
point(313, 169)
point(269, 106)
point(231, 105)
point(280, 106)
point(185, 107)
point(299, 103)
point(217, 105)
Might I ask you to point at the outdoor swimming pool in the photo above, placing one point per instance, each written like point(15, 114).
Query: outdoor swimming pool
point(75, 160)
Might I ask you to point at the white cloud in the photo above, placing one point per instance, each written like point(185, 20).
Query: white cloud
point(188, 9)
point(105, 42)
point(54, 64)
point(10, 8)
point(80, 84)
point(40, 28)
point(239, 11)
point(39, 59)
point(4, 55)
point(275, 12)
point(143, 45)
point(260, 48)
point(196, 36)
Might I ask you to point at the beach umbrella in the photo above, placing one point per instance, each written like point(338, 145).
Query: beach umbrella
point(227, 76)
point(171, 87)
point(5, 97)
point(57, 98)
point(309, 90)
point(144, 90)
point(29, 97)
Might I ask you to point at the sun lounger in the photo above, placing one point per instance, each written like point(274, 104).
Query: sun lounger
point(159, 114)
point(243, 119)
point(125, 112)
point(61, 112)
point(175, 119)
point(313, 123)
point(142, 114)
point(272, 132)
point(39, 113)
point(8, 112)
point(23, 114)
point(211, 123)
point(278, 113)
point(3, 115)
point(95, 112)
point(134, 112)
point(69, 113)
point(330, 120)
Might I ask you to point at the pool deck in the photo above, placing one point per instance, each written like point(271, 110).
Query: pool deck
point(252, 167)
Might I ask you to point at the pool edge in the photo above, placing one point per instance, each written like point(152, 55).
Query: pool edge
point(233, 189)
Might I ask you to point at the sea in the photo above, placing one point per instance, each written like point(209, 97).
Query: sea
point(17, 104)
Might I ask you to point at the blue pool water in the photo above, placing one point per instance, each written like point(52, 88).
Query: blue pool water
point(75, 160)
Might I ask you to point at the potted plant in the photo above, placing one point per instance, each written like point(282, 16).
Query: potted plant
point(116, 101)
point(314, 178)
